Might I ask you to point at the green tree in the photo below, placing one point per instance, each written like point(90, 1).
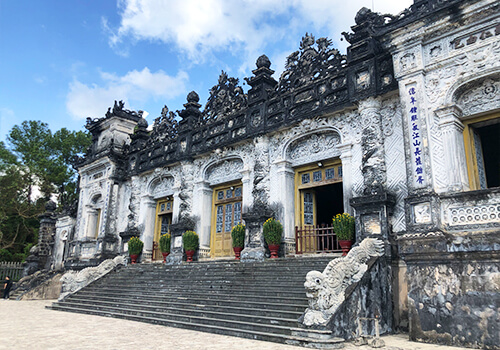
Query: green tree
point(18, 216)
point(49, 158)
point(34, 157)
point(30, 143)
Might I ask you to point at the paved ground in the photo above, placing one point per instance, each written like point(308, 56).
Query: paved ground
point(28, 325)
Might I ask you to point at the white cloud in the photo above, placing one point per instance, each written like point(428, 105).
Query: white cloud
point(136, 86)
point(247, 27)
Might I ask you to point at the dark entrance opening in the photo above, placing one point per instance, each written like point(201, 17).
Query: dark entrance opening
point(490, 144)
point(329, 202)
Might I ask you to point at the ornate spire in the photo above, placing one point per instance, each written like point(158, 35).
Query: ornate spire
point(310, 63)
point(226, 98)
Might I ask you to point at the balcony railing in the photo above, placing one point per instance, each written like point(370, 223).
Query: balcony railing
point(316, 239)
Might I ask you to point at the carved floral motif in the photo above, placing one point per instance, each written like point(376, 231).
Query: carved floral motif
point(164, 127)
point(226, 169)
point(225, 98)
point(481, 98)
point(310, 63)
point(313, 144)
point(162, 185)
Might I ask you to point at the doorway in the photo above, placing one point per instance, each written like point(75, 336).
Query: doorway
point(319, 197)
point(164, 210)
point(226, 213)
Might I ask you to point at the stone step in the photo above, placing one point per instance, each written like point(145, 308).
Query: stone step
point(256, 303)
point(183, 318)
point(188, 305)
point(256, 300)
point(296, 277)
point(236, 332)
point(221, 314)
point(195, 294)
point(283, 291)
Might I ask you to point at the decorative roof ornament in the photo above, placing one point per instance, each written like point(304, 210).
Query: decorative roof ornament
point(225, 98)
point(165, 126)
point(310, 63)
point(117, 111)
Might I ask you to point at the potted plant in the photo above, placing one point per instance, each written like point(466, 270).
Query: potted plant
point(272, 235)
point(165, 245)
point(238, 236)
point(135, 246)
point(190, 241)
point(343, 225)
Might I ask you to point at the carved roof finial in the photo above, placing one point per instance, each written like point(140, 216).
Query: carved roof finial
point(263, 61)
point(307, 41)
point(193, 97)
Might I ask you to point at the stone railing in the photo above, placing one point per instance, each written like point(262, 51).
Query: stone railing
point(73, 281)
point(326, 290)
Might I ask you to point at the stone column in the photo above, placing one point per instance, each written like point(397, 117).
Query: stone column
point(90, 232)
point(147, 214)
point(41, 255)
point(346, 157)
point(176, 206)
point(202, 208)
point(247, 197)
point(254, 240)
point(453, 142)
point(286, 197)
point(373, 161)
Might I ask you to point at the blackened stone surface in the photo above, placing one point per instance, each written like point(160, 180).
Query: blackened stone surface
point(370, 297)
point(453, 287)
point(455, 303)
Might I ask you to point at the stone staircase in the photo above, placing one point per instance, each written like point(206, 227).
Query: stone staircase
point(252, 300)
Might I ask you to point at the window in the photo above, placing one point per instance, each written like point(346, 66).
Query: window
point(482, 150)
point(97, 223)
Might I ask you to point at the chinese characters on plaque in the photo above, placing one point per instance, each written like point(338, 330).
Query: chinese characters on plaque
point(415, 136)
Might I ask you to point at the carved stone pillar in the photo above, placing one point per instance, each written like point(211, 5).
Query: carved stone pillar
point(202, 208)
point(453, 142)
point(372, 218)
point(41, 254)
point(373, 162)
point(148, 208)
point(90, 232)
point(247, 197)
point(177, 251)
point(286, 189)
point(254, 240)
point(346, 157)
point(176, 206)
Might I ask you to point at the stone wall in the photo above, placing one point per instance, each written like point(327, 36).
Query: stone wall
point(455, 303)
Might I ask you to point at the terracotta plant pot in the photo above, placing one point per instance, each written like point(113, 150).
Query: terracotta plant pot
point(274, 248)
point(165, 256)
point(189, 255)
point(237, 252)
point(133, 258)
point(345, 245)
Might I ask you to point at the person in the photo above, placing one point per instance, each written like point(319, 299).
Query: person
point(6, 287)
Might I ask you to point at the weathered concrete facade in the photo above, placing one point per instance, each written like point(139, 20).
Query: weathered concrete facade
point(398, 132)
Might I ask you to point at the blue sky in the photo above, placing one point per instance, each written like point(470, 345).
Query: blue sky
point(64, 60)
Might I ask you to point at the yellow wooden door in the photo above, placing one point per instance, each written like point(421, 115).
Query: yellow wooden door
point(164, 209)
point(227, 214)
point(308, 213)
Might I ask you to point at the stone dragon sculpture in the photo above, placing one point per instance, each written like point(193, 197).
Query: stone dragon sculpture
point(326, 290)
point(73, 281)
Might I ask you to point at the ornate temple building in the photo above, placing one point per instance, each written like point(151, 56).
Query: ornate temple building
point(402, 132)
